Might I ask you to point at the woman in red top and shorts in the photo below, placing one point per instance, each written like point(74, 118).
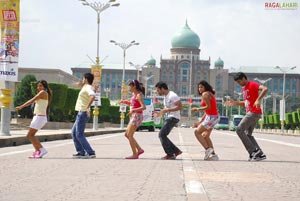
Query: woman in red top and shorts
point(208, 120)
point(137, 106)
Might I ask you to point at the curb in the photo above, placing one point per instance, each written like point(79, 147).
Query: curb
point(21, 140)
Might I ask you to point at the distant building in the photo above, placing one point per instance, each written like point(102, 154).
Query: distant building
point(111, 78)
point(150, 76)
point(185, 53)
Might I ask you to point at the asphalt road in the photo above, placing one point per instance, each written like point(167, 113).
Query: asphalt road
point(111, 177)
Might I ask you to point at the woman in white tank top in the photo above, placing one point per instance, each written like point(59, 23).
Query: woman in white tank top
point(41, 101)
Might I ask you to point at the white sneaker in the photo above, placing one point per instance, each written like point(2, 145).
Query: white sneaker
point(208, 152)
point(213, 157)
point(41, 153)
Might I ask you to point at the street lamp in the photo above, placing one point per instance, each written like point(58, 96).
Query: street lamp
point(227, 98)
point(262, 82)
point(124, 47)
point(138, 68)
point(107, 91)
point(275, 96)
point(284, 70)
point(146, 78)
point(98, 7)
point(239, 98)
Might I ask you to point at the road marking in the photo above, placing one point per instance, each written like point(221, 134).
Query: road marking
point(59, 145)
point(191, 177)
point(267, 140)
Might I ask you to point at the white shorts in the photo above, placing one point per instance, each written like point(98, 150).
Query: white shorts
point(38, 122)
point(210, 121)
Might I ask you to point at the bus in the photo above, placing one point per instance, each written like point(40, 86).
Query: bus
point(234, 122)
point(223, 123)
point(149, 123)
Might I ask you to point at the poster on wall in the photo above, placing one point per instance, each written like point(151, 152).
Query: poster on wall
point(9, 36)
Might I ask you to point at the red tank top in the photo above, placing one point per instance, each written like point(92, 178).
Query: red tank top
point(213, 105)
point(134, 103)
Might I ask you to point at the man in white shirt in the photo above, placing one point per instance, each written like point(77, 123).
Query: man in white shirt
point(172, 107)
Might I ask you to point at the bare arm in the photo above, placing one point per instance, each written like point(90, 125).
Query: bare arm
point(40, 95)
point(264, 91)
point(206, 98)
point(178, 106)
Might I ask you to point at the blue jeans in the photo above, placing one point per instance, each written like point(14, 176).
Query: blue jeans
point(167, 144)
point(80, 141)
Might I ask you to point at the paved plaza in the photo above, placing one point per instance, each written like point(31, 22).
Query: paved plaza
point(58, 177)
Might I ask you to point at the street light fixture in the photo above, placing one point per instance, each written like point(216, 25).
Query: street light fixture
point(98, 7)
point(239, 98)
point(124, 47)
point(284, 70)
point(146, 78)
point(138, 68)
point(262, 82)
point(227, 98)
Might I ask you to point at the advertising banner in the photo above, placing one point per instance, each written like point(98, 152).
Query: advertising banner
point(9, 36)
point(97, 72)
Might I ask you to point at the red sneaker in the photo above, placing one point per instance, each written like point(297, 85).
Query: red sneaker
point(169, 157)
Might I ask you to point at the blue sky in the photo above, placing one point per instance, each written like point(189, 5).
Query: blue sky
point(60, 33)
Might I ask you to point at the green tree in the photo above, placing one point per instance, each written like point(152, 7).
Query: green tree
point(23, 94)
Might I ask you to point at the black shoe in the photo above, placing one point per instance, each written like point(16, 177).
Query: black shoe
point(78, 155)
point(260, 157)
point(254, 154)
point(87, 156)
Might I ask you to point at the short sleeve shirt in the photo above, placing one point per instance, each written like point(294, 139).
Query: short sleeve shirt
point(169, 102)
point(250, 94)
point(84, 97)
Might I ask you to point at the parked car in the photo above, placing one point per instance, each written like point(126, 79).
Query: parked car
point(223, 123)
point(235, 120)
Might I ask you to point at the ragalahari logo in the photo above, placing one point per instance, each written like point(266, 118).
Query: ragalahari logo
point(281, 5)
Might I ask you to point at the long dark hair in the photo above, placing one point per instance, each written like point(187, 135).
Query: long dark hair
point(136, 84)
point(206, 86)
point(48, 90)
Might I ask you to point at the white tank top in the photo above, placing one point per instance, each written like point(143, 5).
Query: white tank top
point(40, 107)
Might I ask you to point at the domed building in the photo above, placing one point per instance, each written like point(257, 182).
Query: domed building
point(219, 64)
point(150, 75)
point(219, 78)
point(185, 52)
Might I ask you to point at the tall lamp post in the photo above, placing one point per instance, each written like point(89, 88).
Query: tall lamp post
point(124, 47)
point(262, 82)
point(98, 7)
point(138, 68)
point(146, 78)
point(239, 98)
point(227, 98)
point(284, 70)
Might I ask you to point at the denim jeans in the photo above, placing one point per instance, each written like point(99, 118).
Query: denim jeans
point(245, 129)
point(167, 144)
point(80, 141)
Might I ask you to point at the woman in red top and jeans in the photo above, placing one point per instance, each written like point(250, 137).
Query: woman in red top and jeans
point(137, 106)
point(208, 120)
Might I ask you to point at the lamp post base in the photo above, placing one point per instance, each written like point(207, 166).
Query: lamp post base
point(95, 118)
point(5, 122)
point(122, 117)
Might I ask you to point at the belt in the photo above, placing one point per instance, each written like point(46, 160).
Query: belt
point(42, 115)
